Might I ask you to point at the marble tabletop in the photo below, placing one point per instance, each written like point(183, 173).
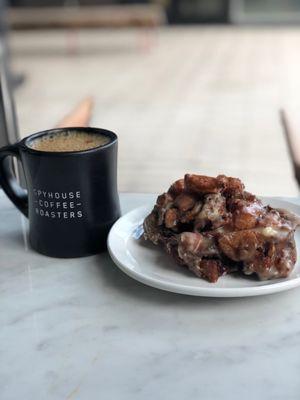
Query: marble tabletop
point(80, 329)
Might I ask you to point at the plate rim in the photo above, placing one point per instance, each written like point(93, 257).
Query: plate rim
point(248, 291)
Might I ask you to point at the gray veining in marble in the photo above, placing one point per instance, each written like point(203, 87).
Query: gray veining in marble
point(80, 329)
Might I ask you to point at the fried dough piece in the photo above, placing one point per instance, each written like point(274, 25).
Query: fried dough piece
point(276, 261)
point(185, 202)
point(213, 227)
point(177, 187)
point(192, 248)
point(200, 184)
point(240, 245)
point(213, 212)
point(171, 218)
point(229, 185)
point(206, 184)
point(246, 214)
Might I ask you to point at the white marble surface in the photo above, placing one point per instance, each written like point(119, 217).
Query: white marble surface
point(81, 329)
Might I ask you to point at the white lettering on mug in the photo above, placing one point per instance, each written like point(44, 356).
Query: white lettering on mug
point(58, 205)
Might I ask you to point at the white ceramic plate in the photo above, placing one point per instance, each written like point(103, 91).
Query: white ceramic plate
point(150, 265)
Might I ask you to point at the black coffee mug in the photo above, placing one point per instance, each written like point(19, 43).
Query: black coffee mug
point(71, 198)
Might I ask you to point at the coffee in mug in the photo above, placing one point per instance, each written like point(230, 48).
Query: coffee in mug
point(69, 141)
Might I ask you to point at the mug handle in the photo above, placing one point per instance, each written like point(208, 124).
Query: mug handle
point(8, 181)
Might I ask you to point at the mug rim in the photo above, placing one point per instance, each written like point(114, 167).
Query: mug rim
point(25, 146)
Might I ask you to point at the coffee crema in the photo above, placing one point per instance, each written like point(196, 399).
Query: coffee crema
point(70, 141)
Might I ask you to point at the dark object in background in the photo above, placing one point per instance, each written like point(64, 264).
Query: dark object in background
point(293, 143)
point(262, 12)
point(8, 122)
point(63, 3)
point(198, 11)
point(85, 14)
point(71, 199)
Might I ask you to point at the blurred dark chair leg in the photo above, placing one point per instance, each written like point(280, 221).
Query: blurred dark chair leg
point(8, 128)
point(293, 142)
